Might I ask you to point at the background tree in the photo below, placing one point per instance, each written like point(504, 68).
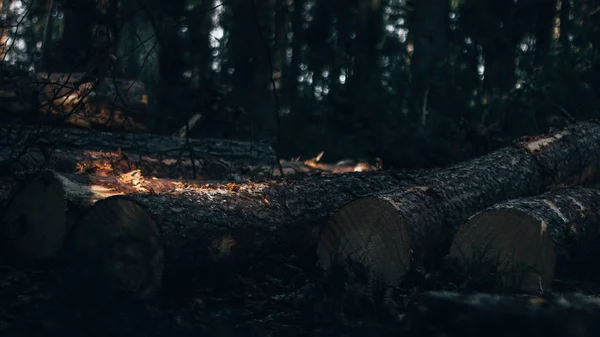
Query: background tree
point(417, 83)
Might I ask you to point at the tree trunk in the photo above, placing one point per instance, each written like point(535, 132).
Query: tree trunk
point(429, 25)
point(526, 242)
point(386, 231)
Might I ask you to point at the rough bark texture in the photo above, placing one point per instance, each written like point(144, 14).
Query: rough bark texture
point(386, 231)
point(529, 240)
point(143, 144)
point(567, 157)
point(69, 160)
point(236, 224)
point(450, 314)
point(381, 231)
point(74, 160)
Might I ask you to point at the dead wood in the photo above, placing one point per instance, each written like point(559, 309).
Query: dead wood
point(138, 143)
point(526, 242)
point(39, 214)
point(204, 226)
point(386, 231)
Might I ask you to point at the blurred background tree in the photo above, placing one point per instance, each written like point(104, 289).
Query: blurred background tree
point(416, 83)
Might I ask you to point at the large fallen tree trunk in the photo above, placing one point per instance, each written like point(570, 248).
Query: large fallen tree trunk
point(69, 160)
point(523, 242)
point(201, 224)
point(39, 214)
point(386, 231)
point(473, 315)
point(143, 144)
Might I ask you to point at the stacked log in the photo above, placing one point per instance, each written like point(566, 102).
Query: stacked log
point(386, 232)
point(526, 243)
point(205, 225)
point(201, 225)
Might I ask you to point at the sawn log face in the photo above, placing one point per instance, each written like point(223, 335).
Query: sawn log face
point(553, 234)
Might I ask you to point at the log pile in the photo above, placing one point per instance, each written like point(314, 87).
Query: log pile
point(202, 225)
point(386, 232)
point(139, 230)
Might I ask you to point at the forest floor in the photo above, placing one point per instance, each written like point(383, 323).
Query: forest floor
point(274, 297)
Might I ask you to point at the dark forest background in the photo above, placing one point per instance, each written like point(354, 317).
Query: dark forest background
point(416, 83)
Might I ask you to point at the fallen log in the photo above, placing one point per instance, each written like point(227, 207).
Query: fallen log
point(526, 242)
point(465, 315)
point(202, 225)
point(139, 143)
point(41, 211)
point(39, 214)
point(117, 248)
point(386, 231)
point(69, 160)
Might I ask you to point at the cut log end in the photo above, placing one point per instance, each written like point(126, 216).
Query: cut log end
point(119, 247)
point(516, 245)
point(35, 221)
point(367, 232)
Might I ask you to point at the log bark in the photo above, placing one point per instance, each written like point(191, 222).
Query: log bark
point(40, 213)
point(386, 231)
point(463, 315)
point(139, 143)
point(526, 242)
point(207, 228)
point(69, 160)
point(73, 160)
